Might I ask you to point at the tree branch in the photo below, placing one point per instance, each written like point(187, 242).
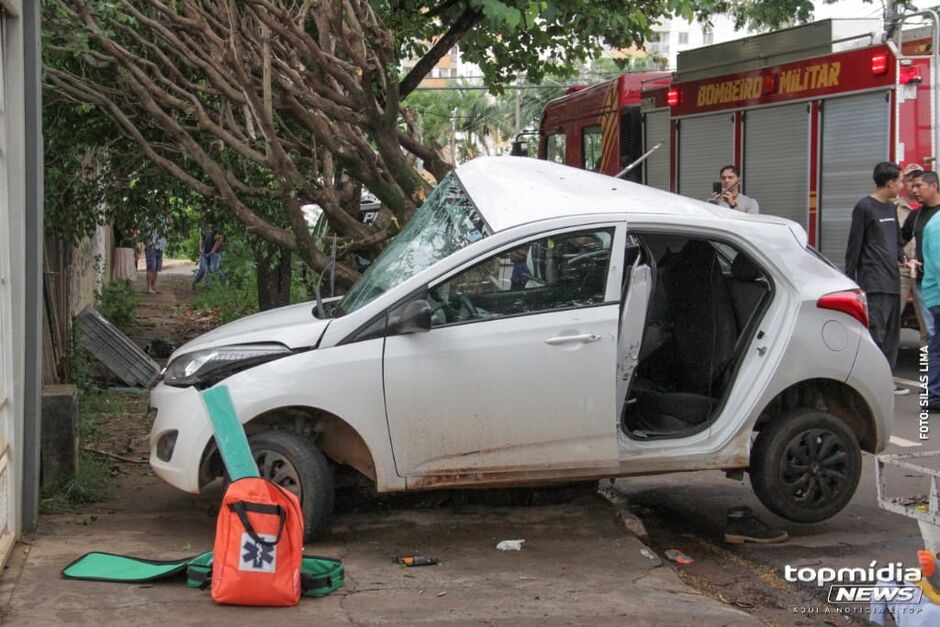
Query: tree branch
point(467, 20)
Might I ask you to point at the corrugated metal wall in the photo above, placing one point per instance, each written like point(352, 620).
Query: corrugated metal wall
point(656, 168)
point(854, 138)
point(776, 160)
point(705, 144)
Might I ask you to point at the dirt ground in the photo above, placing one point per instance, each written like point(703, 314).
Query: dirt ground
point(578, 564)
point(167, 315)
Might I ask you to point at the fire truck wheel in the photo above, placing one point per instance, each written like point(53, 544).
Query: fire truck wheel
point(295, 463)
point(805, 465)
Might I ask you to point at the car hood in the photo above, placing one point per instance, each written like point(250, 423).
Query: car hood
point(294, 326)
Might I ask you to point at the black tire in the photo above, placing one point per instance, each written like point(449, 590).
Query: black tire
point(295, 463)
point(805, 465)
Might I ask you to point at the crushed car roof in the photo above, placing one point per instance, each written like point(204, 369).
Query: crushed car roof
point(515, 190)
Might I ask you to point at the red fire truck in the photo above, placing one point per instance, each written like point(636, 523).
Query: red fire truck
point(804, 112)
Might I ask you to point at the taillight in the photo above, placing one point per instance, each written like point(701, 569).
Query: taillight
point(673, 97)
point(852, 302)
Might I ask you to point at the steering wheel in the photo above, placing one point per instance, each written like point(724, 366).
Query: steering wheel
point(583, 258)
point(471, 308)
point(447, 309)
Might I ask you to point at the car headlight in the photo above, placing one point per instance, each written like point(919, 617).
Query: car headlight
point(207, 367)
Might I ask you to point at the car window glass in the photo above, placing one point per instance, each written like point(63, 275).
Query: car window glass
point(591, 148)
point(726, 255)
point(555, 147)
point(561, 271)
point(446, 222)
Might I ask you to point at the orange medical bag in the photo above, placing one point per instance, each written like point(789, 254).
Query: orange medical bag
point(258, 545)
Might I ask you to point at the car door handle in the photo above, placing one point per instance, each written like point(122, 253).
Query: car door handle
point(586, 338)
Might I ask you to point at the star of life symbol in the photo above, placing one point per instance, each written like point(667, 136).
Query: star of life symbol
point(257, 557)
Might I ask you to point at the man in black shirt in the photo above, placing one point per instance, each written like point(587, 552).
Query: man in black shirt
point(925, 188)
point(872, 256)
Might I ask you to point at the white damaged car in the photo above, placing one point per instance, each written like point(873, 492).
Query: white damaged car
point(535, 323)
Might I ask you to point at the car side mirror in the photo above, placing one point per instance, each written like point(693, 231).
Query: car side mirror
point(415, 317)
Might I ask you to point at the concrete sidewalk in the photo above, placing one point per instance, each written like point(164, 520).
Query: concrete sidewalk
point(578, 566)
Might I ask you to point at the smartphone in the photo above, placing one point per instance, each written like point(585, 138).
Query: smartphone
point(716, 188)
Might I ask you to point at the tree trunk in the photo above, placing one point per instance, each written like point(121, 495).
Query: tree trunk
point(273, 272)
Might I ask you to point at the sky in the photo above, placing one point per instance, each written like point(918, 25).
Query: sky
point(853, 8)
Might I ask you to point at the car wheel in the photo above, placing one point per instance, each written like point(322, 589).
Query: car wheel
point(805, 465)
point(295, 463)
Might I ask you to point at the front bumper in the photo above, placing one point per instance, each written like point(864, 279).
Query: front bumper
point(180, 410)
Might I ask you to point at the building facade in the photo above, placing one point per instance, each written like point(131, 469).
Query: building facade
point(673, 36)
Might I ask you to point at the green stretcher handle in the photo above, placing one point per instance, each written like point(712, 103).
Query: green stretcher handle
point(229, 434)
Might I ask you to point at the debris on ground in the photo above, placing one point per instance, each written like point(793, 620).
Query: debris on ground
point(510, 545)
point(648, 553)
point(160, 348)
point(414, 559)
point(743, 525)
point(114, 350)
point(677, 556)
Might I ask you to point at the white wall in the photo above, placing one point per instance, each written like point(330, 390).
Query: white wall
point(12, 269)
point(90, 268)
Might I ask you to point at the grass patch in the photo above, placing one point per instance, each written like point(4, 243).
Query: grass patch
point(234, 299)
point(90, 485)
point(117, 301)
point(237, 296)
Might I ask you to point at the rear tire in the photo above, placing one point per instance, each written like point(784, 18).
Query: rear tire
point(295, 463)
point(805, 465)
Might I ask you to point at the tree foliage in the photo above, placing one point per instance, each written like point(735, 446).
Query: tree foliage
point(260, 106)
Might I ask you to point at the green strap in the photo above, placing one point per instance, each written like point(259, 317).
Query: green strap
point(229, 434)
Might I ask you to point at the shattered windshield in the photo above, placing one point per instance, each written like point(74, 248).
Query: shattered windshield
point(445, 223)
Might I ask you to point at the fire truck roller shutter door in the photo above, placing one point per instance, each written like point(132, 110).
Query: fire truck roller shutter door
point(854, 138)
point(656, 129)
point(776, 160)
point(705, 144)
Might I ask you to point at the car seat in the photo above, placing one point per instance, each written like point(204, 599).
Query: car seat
point(704, 331)
point(702, 315)
point(747, 289)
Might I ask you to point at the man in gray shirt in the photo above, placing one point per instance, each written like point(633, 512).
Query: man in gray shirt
point(730, 195)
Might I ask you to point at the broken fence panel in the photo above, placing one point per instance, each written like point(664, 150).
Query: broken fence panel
point(114, 349)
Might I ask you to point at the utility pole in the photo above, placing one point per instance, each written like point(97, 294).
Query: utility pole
point(453, 137)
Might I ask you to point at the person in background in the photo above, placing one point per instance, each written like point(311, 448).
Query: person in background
point(153, 252)
point(123, 259)
point(872, 256)
point(730, 195)
point(925, 189)
point(520, 270)
point(210, 252)
point(906, 204)
point(929, 239)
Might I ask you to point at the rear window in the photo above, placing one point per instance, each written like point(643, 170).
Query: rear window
point(822, 257)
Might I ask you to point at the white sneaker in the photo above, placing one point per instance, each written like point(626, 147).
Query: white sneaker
point(899, 391)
